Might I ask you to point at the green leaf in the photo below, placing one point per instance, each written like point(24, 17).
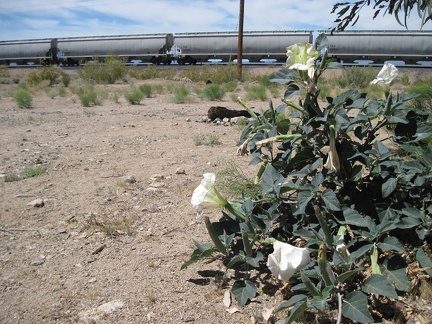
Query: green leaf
point(330, 200)
point(290, 302)
point(204, 251)
point(346, 275)
point(353, 217)
point(243, 291)
point(379, 285)
point(320, 302)
point(254, 262)
point(271, 180)
point(296, 312)
point(355, 307)
point(388, 187)
point(309, 285)
point(398, 278)
point(424, 260)
point(291, 91)
point(391, 243)
point(284, 76)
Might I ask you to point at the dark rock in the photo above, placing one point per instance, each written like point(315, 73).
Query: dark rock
point(223, 112)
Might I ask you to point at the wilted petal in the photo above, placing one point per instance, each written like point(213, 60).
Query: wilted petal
point(286, 260)
point(333, 162)
point(387, 74)
point(342, 249)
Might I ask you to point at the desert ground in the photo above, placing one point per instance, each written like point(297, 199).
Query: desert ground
point(116, 222)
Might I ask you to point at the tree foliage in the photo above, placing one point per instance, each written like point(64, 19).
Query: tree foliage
point(348, 13)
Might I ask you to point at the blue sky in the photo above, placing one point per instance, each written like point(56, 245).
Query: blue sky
point(32, 19)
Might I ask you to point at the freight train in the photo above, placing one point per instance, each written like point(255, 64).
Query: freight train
point(410, 47)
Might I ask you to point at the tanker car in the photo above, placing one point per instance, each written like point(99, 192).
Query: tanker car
point(257, 45)
point(379, 46)
point(191, 48)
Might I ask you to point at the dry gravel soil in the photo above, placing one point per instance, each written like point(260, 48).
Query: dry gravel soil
point(103, 248)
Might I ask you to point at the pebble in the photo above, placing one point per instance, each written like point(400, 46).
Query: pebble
point(130, 179)
point(36, 203)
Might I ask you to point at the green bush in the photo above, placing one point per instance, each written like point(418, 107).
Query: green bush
point(108, 72)
point(181, 95)
point(354, 213)
point(214, 92)
point(65, 78)
point(219, 74)
point(356, 77)
point(134, 97)
point(23, 98)
point(256, 92)
point(423, 88)
point(207, 140)
point(88, 95)
point(146, 90)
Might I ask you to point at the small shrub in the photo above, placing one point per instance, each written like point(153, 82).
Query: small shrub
point(256, 92)
point(11, 177)
point(88, 96)
point(234, 183)
point(105, 73)
point(134, 97)
point(146, 90)
point(33, 171)
point(62, 92)
point(424, 90)
point(214, 92)
point(181, 95)
point(158, 88)
point(207, 140)
point(230, 86)
point(357, 77)
point(65, 78)
point(23, 98)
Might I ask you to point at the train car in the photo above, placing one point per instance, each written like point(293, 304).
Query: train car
point(257, 45)
point(379, 46)
point(26, 51)
point(146, 48)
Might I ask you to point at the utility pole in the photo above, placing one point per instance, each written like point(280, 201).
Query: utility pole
point(240, 41)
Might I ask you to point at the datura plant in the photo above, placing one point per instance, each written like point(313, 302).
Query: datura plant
point(344, 217)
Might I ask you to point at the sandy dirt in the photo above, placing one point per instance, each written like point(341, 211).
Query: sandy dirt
point(103, 248)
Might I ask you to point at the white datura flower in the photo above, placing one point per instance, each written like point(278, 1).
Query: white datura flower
point(206, 196)
point(286, 260)
point(387, 74)
point(302, 56)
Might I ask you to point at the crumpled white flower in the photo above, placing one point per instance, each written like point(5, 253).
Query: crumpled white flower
point(205, 196)
point(332, 162)
point(302, 56)
point(387, 74)
point(286, 260)
point(342, 249)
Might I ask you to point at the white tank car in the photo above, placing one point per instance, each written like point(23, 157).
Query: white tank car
point(379, 46)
